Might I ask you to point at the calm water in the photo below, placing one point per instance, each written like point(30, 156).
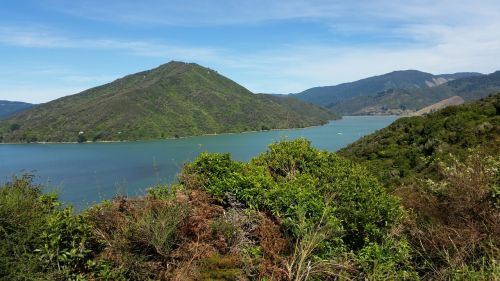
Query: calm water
point(86, 173)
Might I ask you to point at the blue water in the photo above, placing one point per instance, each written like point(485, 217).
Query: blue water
point(88, 173)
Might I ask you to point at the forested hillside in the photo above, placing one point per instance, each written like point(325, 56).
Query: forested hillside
point(412, 146)
point(174, 100)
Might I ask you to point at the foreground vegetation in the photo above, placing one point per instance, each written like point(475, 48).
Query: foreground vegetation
point(292, 213)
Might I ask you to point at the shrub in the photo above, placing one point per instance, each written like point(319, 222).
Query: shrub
point(14, 127)
point(389, 260)
point(292, 175)
point(464, 239)
point(38, 238)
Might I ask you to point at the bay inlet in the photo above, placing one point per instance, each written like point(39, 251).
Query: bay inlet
point(87, 173)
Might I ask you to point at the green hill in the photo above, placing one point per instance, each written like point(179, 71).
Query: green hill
point(412, 146)
point(8, 108)
point(174, 100)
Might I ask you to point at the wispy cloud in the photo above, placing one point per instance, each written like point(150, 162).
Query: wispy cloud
point(441, 49)
point(198, 12)
point(438, 36)
point(293, 68)
point(43, 37)
point(230, 12)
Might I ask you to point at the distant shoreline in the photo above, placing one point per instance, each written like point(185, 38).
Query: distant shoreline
point(172, 138)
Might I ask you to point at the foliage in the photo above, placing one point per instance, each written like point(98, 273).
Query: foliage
point(411, 147)
point(303, 264)
point(221, 268)
point(390, 260)
point(464, 240)
point(291, 213)
point(81, 138)
point(38, 238)
point(66, 242)
point(174, 100)
point(448, 161)
point(14, 127)
point(327, 204)
point(292, 178)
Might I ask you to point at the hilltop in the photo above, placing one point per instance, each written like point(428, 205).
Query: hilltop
point(174, 100)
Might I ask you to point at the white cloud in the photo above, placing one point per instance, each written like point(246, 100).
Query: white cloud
point(293, 68)
point(42, 37)
point(197, 12)
point(435, 36)
point(231, 12)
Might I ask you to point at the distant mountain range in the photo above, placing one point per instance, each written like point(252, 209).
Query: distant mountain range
point(174, 100)
point(400, 92)
point(8, 108)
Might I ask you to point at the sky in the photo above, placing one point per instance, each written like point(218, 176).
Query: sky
point(54, 48)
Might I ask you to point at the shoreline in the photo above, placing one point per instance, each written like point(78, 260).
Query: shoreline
point(172, 138)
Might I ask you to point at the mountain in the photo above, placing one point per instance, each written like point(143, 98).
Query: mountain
point(391, 93)
point(470, 88)
point(409, 100)
point(403, 79)
point(411, 146)
point(8, 108)
point(174, 100)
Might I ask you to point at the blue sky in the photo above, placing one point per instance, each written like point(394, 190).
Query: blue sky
point(53, 48)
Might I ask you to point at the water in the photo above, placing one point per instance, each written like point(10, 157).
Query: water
point(87, 173)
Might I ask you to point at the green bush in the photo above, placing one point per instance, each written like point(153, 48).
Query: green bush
point(66, 242)
point(293, 176)
point(389, 260)
point(38, 238)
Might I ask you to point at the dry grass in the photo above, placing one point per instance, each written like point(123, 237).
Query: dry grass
point(456, 221)
point(303, 265)
point(189, 236)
